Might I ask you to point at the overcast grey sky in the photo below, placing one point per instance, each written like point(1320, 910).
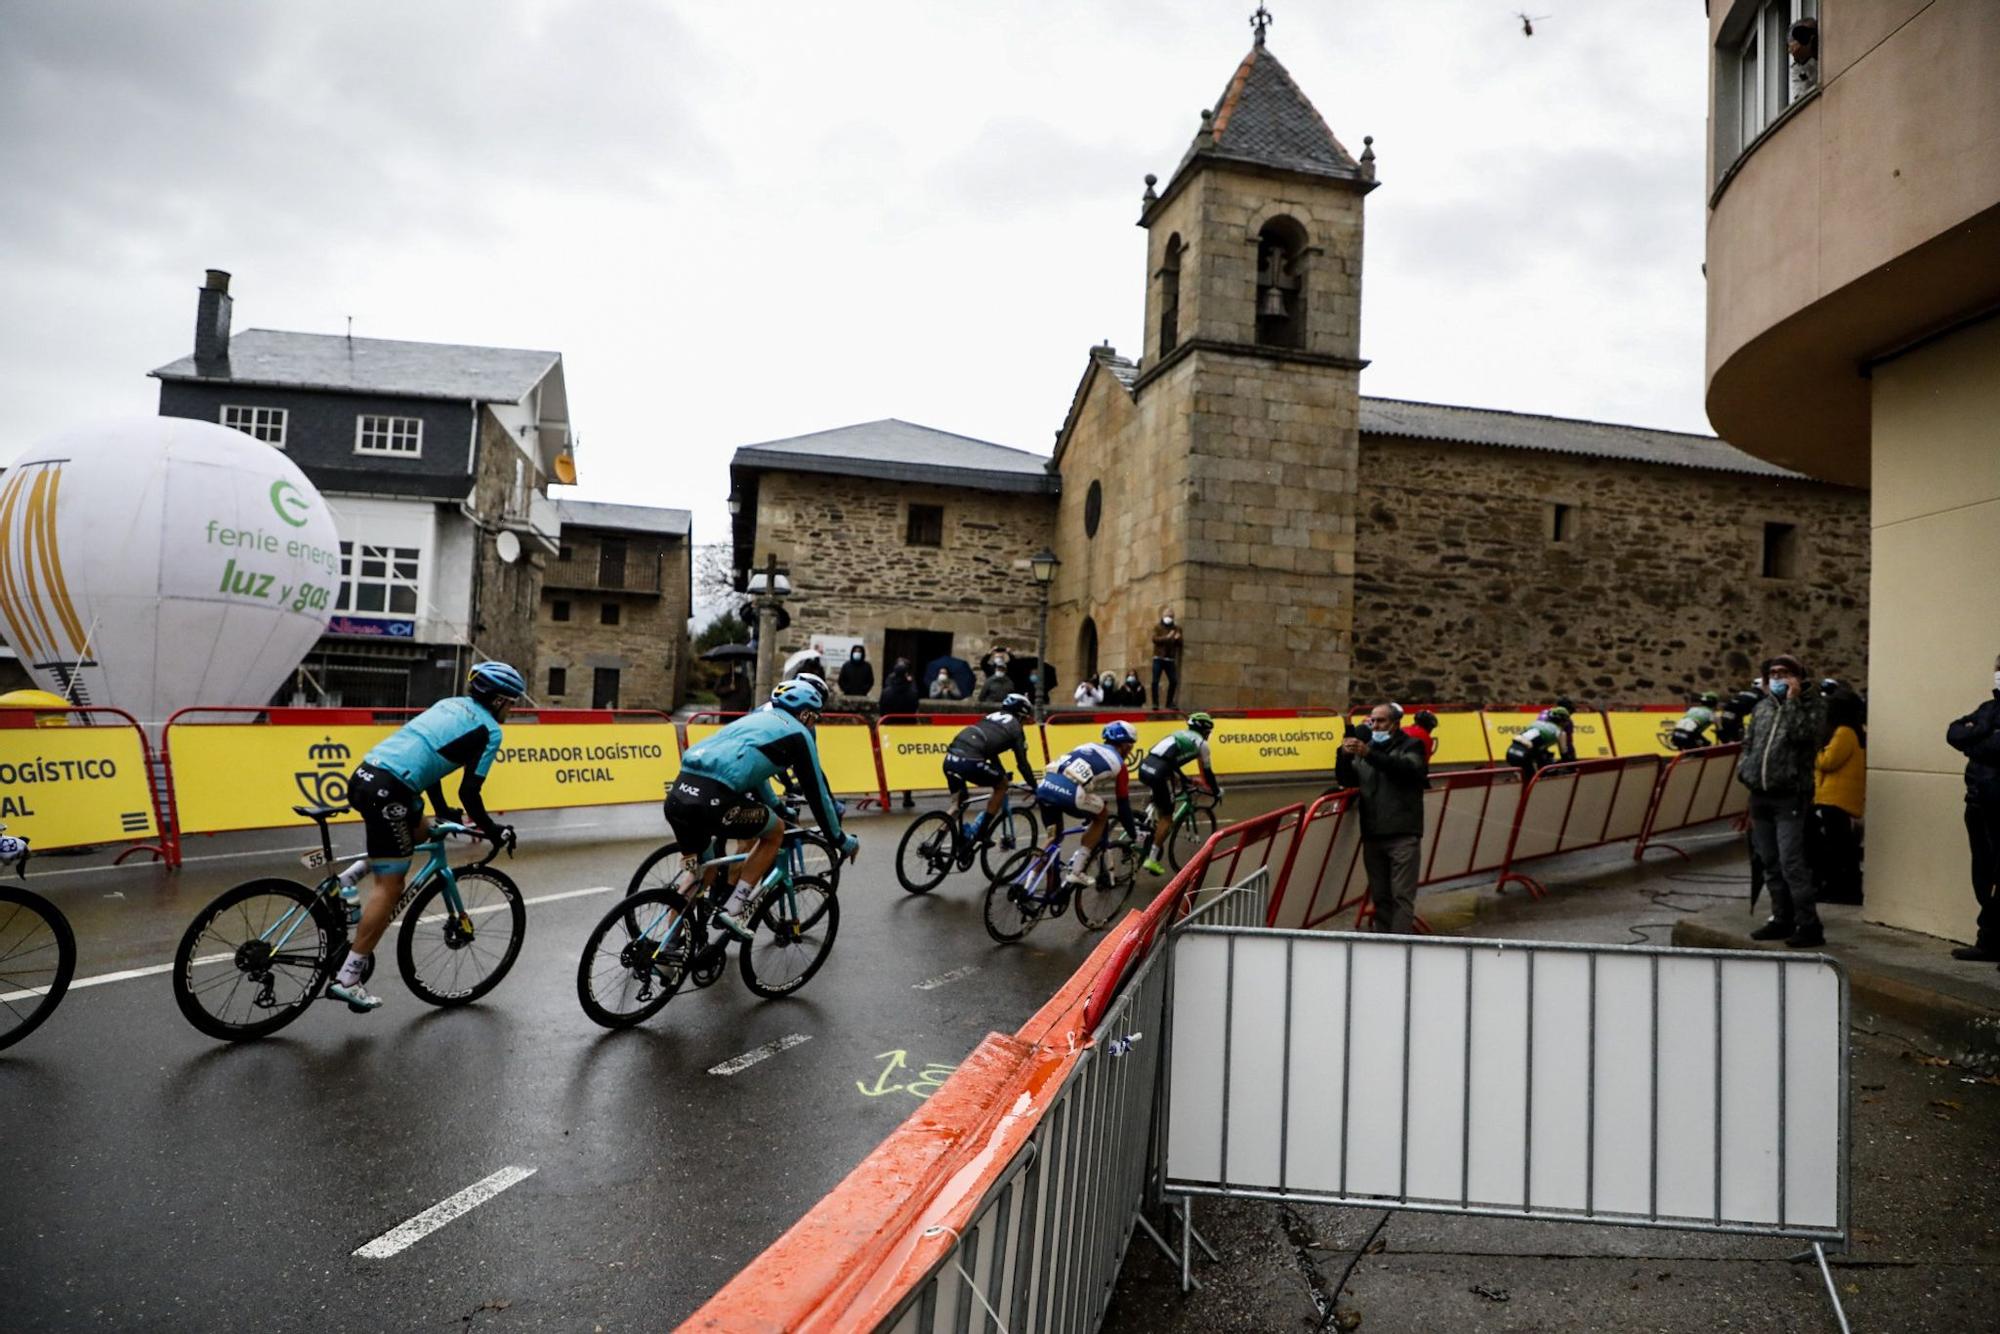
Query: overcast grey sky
point(749, 220)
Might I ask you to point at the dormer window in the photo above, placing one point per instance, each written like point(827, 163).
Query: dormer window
point(1281, 289)
point(1170, 296)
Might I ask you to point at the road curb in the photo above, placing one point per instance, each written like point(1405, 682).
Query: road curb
point(1968, 1034)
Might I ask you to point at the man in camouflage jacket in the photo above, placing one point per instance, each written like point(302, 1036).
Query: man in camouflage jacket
point(1777, 767)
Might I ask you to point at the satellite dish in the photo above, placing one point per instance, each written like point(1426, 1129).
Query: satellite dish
point(509, 547)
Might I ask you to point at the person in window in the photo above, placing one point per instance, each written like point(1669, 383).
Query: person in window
point(857, 674)
point(1804, 49)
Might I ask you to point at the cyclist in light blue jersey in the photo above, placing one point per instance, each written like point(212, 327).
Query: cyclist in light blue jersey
point(462, 732)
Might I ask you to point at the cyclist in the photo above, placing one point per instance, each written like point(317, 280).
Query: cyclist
point(724, 791)
point(1691, 732)
point(974, 757)
point(1065, 789)
point(1561, 713)
point(1538, 744)
point(462, 732)
point(1161, 772)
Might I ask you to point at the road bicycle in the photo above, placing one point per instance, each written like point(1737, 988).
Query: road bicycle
point(37, 952)
point(1030, 885)
point(936, 844)
point(808, 853)
point(658, 937)
point(1194, 822)
point(256, 957)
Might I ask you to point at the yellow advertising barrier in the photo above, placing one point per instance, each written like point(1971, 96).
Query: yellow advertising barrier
point(846, 752)
point(1275, 745)
point(1460, 738)
point(912, 753)
point(61, 787)
point(249, 776)
point(1644, 732)
point(1593, 738)
point(1061, 738)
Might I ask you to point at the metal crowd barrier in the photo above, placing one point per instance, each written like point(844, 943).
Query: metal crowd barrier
point(1698, 787)
point(1586, 804)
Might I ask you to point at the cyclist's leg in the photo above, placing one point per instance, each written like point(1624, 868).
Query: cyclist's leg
point(391, 817)
point(1091, 808)
point(956, 783)
point(761, 844)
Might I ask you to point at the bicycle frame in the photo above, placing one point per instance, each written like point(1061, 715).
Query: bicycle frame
point(779, 876)
point(436, 865)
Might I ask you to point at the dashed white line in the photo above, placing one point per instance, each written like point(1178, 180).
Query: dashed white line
point(933, 983)
point(404, 1235)
point(738, 1064)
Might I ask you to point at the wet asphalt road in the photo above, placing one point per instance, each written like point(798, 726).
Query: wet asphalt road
point(153, 1178)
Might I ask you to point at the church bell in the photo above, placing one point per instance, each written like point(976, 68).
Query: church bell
point(1273, 303)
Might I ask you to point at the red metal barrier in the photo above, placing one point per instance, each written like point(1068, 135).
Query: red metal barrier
point(1697, 787)
point(1562, 811)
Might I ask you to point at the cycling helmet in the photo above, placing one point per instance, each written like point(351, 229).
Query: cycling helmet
point(1559, 714)
point(1201, 722)
point(495, 680)
point(798, 696)
point(1017, 704)
point(1119, 733)
point(1708, 698)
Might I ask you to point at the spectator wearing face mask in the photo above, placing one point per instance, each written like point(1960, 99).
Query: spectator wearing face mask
point(1778, 765)
point(1167, 645)
point(1130, 693)
point(857, 674)
point(1977, 737)
point(1390, 769)
point(1840, 796)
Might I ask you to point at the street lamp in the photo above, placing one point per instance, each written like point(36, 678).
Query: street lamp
point(735, 504)
point(1043, 565)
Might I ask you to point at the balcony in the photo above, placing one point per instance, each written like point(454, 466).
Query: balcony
point(640, 574)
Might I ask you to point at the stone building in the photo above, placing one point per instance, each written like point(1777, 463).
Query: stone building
point(611, 629)
point(1317, 546)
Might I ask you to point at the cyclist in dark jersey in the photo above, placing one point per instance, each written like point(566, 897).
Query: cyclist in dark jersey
point(974, 757)
point(1160, 771)
point(462, 732)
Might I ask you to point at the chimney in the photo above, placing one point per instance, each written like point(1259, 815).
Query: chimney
point(211, 326)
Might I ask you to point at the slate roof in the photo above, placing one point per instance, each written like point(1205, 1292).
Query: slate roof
point(1263, 116)
point(904, 452)
point(1560, 435)
point(279, 359)
point(625, 518)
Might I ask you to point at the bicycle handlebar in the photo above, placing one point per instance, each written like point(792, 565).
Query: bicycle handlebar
point(450, 828)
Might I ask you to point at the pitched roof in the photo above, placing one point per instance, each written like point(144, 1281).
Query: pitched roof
point(1263, 116)
point(280, 359)
point(904, 452)
point(624, 518)
point(1560, 435)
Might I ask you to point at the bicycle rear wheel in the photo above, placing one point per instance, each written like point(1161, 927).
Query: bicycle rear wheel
point(660, 870)
point(925, 856)
point(1018, 829)
point(626, 975)
point(448, 959)
point(1188, 836)
point(790, 937)
point(1111, 879)
point(255, 958)
point(1010, 911)
point(37, 960)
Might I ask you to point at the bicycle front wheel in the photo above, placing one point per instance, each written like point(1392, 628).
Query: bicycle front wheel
point(1017, 829)
point(924, 857)
point(628, 973)
point(790, 937)
point(1190, 835)
point(255, 958)
point(1011, 911)
point(37, 960)
point(1111, 879)
point(450, 958)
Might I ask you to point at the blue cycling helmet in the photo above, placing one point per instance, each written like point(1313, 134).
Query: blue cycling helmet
point(1117, 733)
point(1017, 704)
point(495, 680)
point(796, 697)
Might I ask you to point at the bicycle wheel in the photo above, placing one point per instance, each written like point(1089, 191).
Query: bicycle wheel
point(660, 870)
point(1018, 829)
point(1189, 835)
point(449, 959)
point(1111, 880)
point(1010, 912)
point(255, 958)
point(790, 937)
point(37, 960)
point(625, 974)
point(817, 857)
point(924, 857)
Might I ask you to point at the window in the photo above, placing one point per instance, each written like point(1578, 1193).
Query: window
point(1562, 522)
point(559, 609)
point(1093, 508)
point(926, 526)
point(611, 562)
point(558, 681)
point(604, 688)
point(567, 552)
point(1756, 78)
point(1781, 551)
point(266, 424)
point(378, 581)
point(1170, 296)
point(403, 436)
point(1086, 649)
point(608, 613)
point(1281, 289)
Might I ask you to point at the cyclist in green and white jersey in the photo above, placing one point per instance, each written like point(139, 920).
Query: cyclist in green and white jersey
point(1160, 771)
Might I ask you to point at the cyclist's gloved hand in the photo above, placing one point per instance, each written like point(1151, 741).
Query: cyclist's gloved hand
point(849, 845)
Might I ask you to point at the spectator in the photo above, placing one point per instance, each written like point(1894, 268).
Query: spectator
point(1088, 694)
point(1131, 693)
point(996, 687)
point(735, 696)
point(1538, 744)
point(1840, 792)
point(899, 697)
point(943, 687)
point(1391, 770)
point(1691, 732)
point(857, 674)
point(1423, 726)
point(1777, 765)
point(1804, 48)
point(1977, 737)
point(1107, 688)
point(1167, 658)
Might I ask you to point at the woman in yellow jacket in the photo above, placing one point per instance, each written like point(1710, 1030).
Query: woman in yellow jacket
point(1840, 795)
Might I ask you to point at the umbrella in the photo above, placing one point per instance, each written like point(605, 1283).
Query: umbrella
point(728, 653)
point(958, 669)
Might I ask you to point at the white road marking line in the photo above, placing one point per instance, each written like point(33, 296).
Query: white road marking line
point(738, 1064)
point(155, 969)
point(404, 1235)
point(933, 983)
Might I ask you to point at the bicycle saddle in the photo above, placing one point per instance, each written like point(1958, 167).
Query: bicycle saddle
point(320, 812)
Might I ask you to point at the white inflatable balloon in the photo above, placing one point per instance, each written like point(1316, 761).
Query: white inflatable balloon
point(160, 562)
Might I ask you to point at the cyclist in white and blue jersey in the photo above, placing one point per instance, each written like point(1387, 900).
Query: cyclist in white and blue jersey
point(462, 732)
point(1066, 789)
